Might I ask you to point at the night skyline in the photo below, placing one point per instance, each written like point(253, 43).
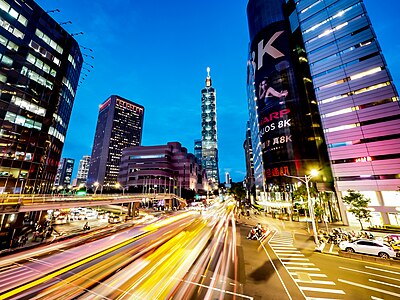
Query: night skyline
point(161, 64)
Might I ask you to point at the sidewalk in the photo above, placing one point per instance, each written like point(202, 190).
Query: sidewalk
point(301, 228)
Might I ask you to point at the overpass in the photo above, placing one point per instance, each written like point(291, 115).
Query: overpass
point(13, 203)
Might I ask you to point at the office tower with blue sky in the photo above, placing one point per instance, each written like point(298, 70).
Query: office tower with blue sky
point(119, 125)
point(40, 70)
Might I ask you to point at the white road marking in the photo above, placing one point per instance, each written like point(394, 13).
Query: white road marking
point(219, 290)
point(384, 283)
point(313, 289)
point(369, 288)
point(376, 298)
point(310, 274)
point(304, 269)
point(286, 251)
point(382, 270)
point(331, 248)
point(298, 263)
point(368, 273)
point(294, 258)
point(291, 254)
point(316, 281)
point(39, 261)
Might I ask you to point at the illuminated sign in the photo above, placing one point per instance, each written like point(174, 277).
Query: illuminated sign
point(363, 159)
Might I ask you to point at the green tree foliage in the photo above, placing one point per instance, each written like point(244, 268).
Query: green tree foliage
point(237, 190)
point(358, 206)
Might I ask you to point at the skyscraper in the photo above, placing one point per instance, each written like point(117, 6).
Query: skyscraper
point(40, 69)
point(83, 169)
point(358, 102)
point(198, 150)
point(64, 172)
point(119, 125)
point(209, 132)
point(334, 45)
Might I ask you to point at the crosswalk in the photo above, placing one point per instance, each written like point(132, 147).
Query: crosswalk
point(309, 278)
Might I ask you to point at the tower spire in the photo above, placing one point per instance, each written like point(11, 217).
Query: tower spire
point(208, 79)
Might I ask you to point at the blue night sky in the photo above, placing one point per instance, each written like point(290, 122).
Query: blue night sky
point(155, 53)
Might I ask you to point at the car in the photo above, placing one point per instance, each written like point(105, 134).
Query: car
point(396, 246)
point(370, 247)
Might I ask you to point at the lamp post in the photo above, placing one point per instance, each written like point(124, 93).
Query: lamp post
point(118, 186)
point(97, 184)
point(306, 179)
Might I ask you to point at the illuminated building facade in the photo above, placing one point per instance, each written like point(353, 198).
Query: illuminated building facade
point(64, 173)
point(40, 69)
point(285, 125)
point(353, 90)
point(161, 169)
point(119, 125)
point(83, 169)
point(358, 102)
point(209, 133)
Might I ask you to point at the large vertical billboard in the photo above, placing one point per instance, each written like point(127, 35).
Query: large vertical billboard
point(279, 113)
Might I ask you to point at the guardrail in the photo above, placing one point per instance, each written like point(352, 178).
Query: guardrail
point(14, 203)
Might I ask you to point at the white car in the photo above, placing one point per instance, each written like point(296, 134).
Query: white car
point(370, 247)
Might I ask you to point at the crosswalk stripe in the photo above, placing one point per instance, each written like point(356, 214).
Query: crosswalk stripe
point(303, 269)
point(316, 282)
point(314, 289)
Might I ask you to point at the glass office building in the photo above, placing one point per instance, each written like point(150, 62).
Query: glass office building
point(358, 102)
point(119, 125)
point(64, 173)
point(209, 133)
point(290, 137)
point(39, 75)
point(352, 88)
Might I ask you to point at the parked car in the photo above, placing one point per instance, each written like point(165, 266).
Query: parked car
point(370, 247)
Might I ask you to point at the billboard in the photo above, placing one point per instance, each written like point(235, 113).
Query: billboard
point(277, 100)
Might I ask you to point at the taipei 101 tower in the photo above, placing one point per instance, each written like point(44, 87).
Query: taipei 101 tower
point(209, 133)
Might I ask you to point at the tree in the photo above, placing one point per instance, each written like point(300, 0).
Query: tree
point(238, 191)
point(358, 206)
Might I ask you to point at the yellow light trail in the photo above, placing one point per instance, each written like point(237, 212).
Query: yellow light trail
point(69, 268)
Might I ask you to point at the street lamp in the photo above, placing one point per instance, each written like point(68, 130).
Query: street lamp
point(306, 179)
point(97, 184)
point(118, 186)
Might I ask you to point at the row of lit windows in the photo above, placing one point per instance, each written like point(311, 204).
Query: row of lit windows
point(72, 60)
point(6, 60)
point(354, 108)
point(7, 26)
point(13, 13)
point(331, 30)
point(35, 46)
point(129, 106)
point(48, 41)
point(21, 120)
point(339, 14)
point(309, 7)
point(33, 108)
point(354, 77)
point(59, 120)
point(364, 123)
point(54, 132)
point(357, 92)
point(36, 77)
point(41, 65)
point(69, 86)
point(7, 43)
point(338, 54)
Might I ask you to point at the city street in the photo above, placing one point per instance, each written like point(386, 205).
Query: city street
point(192, 255)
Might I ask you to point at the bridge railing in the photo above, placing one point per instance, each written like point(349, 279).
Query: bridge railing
point(27, 199)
